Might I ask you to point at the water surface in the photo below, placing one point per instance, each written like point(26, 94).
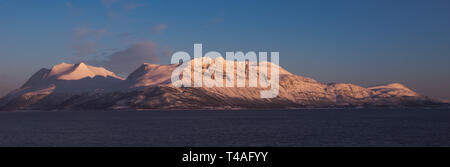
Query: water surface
point(315, 127)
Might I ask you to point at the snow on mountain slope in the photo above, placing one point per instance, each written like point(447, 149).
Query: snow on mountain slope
point(294, 90)
point(155, 74)
point(63, 79)
point(79, 86)
point(394, 89)
point(66, 71)
point(150, 75)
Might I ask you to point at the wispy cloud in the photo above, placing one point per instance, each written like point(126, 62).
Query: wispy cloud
point(166, 51)
point(85, 48)
point(75, 11)
point(109, 3)
point(124, 61)
point(118, 10)
point(217, 20)
point(110, 12)
point(85, 32)
point(69, 5)
point(124, 35)
point(159, 28)
point(84, 41)
point(130, 6)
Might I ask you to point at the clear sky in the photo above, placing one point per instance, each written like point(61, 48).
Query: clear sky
point(366, 42)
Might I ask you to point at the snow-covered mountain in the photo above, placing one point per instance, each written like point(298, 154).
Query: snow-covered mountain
point(79, 86)
point(60, 82)
point(68, 72)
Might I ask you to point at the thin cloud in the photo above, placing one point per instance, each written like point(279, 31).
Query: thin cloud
point(84, 41)
point(84, 32)
point(124, 35)
point(74, 11)
point(118, 10)
point(109, 3)
point(85, 48)
point(130, 6)
point(167, 52)
point(124, 61)
point(217, 20)
point(159, 28)
point(69, 5)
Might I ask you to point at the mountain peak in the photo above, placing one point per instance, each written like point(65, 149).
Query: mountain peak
point(390, 86)
point(393, 89)
point(66, 71)
point(151, 74)
point(81, 64)
point(397, 85)
point(149, 87)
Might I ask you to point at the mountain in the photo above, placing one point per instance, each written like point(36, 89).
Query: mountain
point(48, 87)
point(67, 72)
point(150, 75)
point(79, 86)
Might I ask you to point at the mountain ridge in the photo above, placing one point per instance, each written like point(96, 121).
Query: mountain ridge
point(80, 86)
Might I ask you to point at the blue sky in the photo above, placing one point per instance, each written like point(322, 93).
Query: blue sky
point(366, 42)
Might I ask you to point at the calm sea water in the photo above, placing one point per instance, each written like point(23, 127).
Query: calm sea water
point(339, 127)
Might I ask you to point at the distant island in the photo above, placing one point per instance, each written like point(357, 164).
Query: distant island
point(83, 87)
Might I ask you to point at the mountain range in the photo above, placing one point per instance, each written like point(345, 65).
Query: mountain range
point(84, 87)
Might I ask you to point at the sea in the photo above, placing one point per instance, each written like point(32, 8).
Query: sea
point(232, 128)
